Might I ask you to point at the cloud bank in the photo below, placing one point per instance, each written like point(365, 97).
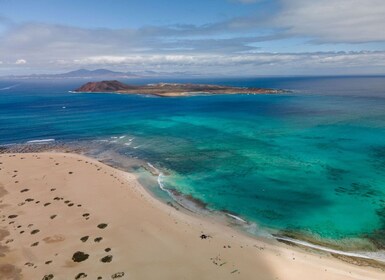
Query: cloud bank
point(229, 47)
point(339, 21)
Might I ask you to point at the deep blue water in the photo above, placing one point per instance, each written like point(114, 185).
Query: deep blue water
point(310, 161)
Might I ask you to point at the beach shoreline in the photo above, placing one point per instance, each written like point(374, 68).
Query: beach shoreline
point(146, 238)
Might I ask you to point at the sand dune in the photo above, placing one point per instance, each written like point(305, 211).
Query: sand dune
point(65, 216)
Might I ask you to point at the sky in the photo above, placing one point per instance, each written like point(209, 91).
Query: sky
point(189, 38)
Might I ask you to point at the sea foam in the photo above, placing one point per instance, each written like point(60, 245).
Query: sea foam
point(40, 141)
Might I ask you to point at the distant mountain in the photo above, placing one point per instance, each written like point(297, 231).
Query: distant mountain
point(78, 74)
point(84, 73)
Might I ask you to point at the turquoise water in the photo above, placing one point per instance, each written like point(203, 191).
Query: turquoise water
point(311, 161)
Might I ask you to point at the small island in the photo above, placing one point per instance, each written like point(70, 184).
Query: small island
point(169, 89)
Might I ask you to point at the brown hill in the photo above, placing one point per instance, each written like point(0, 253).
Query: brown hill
point(104, 86)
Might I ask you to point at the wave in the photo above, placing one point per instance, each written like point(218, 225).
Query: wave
point(38, 141)
point(378, 256)
point(154, 168)
point(9, 87)
point(121, 140)
point(160, 176)
point(236, 218)
point(8, 144)
point(160, 183)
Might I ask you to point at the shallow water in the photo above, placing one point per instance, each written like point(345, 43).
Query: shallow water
point(311, 161)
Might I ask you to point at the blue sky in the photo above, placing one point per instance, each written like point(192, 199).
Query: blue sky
point(212, 37)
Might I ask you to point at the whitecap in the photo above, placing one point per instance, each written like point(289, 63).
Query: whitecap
point(37, 141)
point(9, 87)
point(236, 218)
point(379, 256)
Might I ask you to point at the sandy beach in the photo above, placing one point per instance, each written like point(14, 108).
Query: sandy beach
point(65, 216)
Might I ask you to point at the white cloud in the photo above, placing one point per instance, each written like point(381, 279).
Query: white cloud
point(227, 46)
point(337, 21)
point(251, 63)
point(20, 61)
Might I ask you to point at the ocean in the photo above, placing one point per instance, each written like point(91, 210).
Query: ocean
point(307, 164)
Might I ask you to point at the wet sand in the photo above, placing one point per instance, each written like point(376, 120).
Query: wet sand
point(65, 216)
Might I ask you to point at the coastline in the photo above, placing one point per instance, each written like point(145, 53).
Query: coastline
point(151, 179)
point(148, 238)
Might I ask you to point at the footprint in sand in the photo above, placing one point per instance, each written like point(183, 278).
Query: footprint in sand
point(46, 204)
point(53, 189)
point(48, 277)
point(117, 275)
point(35, 231)
point(48, 262)
point(84, 238)
point(81, 275)
point(52, 217)
point(98, 239)
point(12, 216)
point(107, 250)
point(106, 259)
point(102, 226)
point(34, 244)
point(79, 256)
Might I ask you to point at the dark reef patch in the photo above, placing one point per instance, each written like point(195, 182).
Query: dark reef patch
point(360, 190)
point(335, 174)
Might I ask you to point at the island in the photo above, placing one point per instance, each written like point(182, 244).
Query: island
point(169, 89)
